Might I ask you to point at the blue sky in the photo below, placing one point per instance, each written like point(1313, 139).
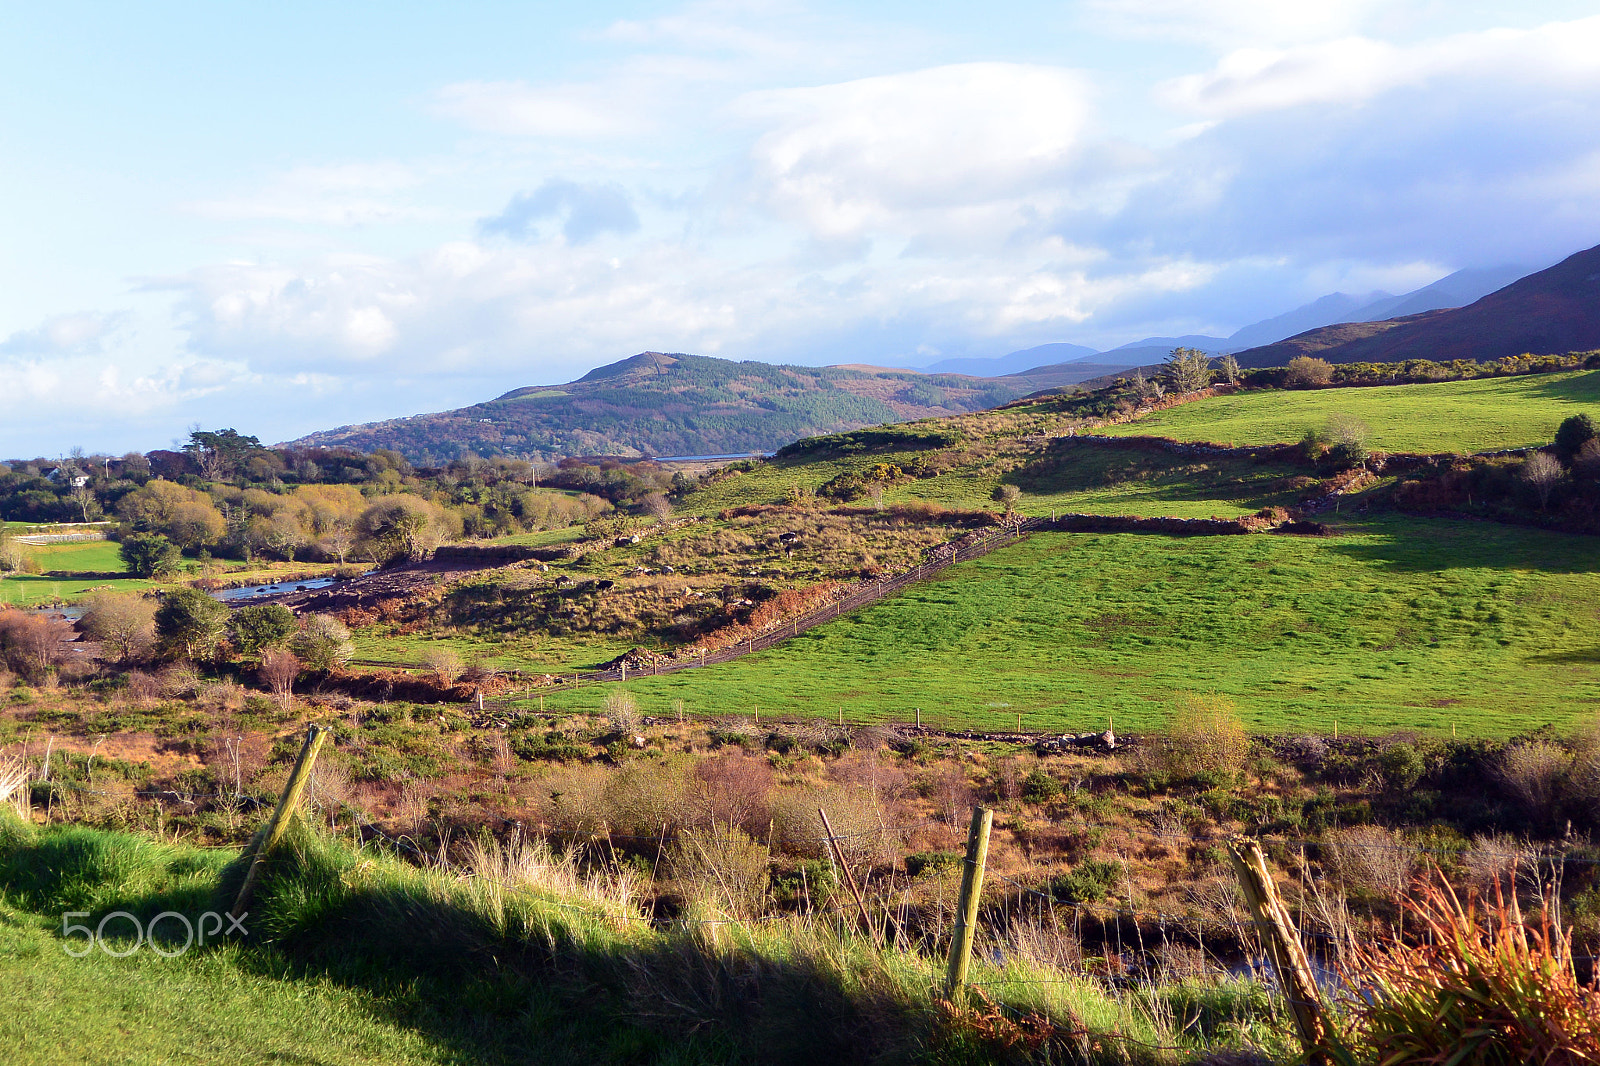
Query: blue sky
point(292, 216)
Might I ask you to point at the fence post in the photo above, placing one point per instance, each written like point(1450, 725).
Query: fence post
point(279, 822)
point(967, 908)
point(1283, 947)
point(850, 878)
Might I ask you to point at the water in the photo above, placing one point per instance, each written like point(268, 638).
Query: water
point(709, 458)
point(247, 591)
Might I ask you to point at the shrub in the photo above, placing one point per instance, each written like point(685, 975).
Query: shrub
point(1402, 766)
point(260, 626)
point(1204, 737)
point(279, 670)
point(123, 621)
point(1007, 496)
point(1542, 472)
point(443, 663)
point(1370, 859)
point(1305, 371)
point(322, 642)
point(1040, 787)
point(190, 623)
point(622, 713)
point(1572, 435)
point(1479, 988)
point(722, 867)
point(1533, 774)
point(149, 554)
point(1089, 882)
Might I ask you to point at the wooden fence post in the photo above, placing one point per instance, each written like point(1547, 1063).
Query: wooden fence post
point(850, 878)
point(1283, 947)
point(278, 824)
point(967, 908)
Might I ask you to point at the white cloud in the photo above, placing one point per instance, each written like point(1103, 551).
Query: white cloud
point(67, 334)
point(1229, 22)
point(1356, 69)
point(848, 157)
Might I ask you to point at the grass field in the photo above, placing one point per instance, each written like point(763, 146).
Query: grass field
point(89, 557)
point(1070, 475)
point(1394, 624)
point(1452, 416)
point(541, 654)
point(238, 1004)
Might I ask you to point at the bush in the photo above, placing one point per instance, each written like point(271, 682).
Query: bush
point(1402, 766)
point(1306, 371)
point(1533, 774)
point(722, 867)
point(1205, 737)
point(1370, 859)
point(1040, 787)
point(1089, 882)
point(1477, 989)
point(322, 642)
point(1572, 435)
point(261, 625)
point(190, 623)
point(149, 554)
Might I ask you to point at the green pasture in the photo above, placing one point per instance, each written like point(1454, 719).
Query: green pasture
point(532, 654)
point(1449, 416)
point(86, 557)
point(542, 538)
point(1390, 625)
point(1067, 476)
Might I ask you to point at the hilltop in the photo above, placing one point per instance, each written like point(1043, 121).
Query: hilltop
point(660, 404)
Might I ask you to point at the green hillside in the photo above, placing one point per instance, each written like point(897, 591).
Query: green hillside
point(655, 404)
point(1450, 416)
point(1379, 628)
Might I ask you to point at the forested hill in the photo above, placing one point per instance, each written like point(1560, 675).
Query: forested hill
point(656, 404)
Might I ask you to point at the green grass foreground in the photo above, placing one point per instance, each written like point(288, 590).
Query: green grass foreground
point(355, 957)
point(1449, 416)
point(1393, 624)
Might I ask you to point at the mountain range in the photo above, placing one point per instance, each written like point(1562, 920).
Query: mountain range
point(1456, 290)
point(658, 404)
point(1551, 311)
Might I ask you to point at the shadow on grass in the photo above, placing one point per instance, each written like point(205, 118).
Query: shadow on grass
point(559, 971)
point(1576, 656)
point(1422, 545)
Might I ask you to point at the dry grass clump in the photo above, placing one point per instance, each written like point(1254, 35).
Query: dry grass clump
point(1533, 773)
point(1370, 859)
point(14, 786)
point(721, 867)
point(1480, 987)
point(1205, 737)
point(622, 713)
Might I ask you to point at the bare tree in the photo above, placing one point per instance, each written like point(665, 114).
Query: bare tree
point(444, 663)
point(84, 497)
point(657, 506)
point(124, 621)
point(279, 671)
point(1542, 473)
point(340, 539)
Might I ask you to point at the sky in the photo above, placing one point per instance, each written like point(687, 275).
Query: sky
point(292, 216)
